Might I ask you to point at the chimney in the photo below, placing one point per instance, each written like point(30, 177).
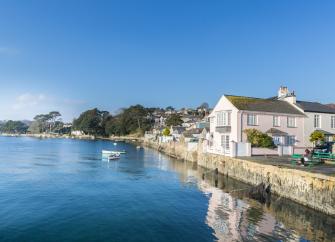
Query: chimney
point(285, 95)
point(283, 91)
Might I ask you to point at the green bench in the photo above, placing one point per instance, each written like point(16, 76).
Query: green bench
point(295, 158)
point(324, 156)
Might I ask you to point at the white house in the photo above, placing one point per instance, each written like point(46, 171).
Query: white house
point(77, 133)
point(233, 114)
point(318, 116)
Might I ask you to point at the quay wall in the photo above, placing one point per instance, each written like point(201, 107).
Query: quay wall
point(313, 190)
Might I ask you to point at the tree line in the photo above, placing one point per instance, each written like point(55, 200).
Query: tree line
point(135, 119)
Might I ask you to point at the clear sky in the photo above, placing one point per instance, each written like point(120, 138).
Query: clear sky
point(73, 55)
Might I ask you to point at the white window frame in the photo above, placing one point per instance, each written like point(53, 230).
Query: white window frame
point(277, 140)
point(223, 119)
point(252, 119)
point(276, 121)
point(317, 121)
point(291, 140)
point(289, 124)
point(332, 122)
point(225, 143)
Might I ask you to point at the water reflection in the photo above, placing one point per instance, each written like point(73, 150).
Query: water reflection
point(233, 216)
point(144, 196)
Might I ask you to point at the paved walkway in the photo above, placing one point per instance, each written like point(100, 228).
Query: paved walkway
point(285, 161)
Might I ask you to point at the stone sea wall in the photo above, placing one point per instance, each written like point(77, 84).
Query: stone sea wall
point(313, 190)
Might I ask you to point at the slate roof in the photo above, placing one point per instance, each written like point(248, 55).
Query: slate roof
point(315, 107)
point(178, 129)
point(193, 131)
point(274, 131)
point(325, 132)
point(262, 105)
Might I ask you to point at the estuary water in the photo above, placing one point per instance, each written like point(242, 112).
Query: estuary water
point(61, 190)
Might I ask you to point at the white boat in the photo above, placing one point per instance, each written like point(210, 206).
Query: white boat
point(122, 152)
point(107, 152)
point(111, 152)
point(113, 157)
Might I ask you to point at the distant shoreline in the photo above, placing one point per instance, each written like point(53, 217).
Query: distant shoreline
point(81, 137)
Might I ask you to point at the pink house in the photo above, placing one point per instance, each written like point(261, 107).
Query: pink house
point(233, 114)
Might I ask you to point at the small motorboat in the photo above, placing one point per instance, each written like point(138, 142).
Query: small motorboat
point(115, 144)
point(113, 157)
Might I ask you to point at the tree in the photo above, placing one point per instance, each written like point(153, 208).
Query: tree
point(36, 127)
point(91, 122)
point(45, 122)
point(114, 126)
point(166, 132)
point(53, 116)
point(133, 120)
point(14, 127)
point(317, 137)
point(169, 108)
point(259, 139)
point(174, 120)
point(204, 105)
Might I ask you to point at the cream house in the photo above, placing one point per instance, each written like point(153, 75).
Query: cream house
point(233, 114)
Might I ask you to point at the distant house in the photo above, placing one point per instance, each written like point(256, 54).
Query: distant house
point(176, 131)
point(204, 123)
point(159, 121)
point(77, 133)
point(192, 135)
point(233, 114)
point(318, 116)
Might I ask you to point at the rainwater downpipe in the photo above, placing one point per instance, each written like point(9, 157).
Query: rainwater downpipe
point(241, 138)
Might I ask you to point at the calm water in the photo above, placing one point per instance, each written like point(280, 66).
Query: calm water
point(61, 190)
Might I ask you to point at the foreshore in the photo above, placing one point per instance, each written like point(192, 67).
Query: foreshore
point(310, 189)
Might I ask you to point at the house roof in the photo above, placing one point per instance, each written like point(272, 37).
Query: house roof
point(178, 129)
point(315, 107)
point(262, 105)
point(191, 132)
point(325, 132)
point(274, 131)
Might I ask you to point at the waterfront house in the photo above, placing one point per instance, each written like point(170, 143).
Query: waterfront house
point(176, 131)
point(318, 116)
point(192, 135)
point(233, 114)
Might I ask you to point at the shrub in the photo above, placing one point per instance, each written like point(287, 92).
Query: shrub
point(259, 139)
point(166, 132)
point(317, 137)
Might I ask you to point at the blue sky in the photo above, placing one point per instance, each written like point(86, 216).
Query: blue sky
point(74, 55)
